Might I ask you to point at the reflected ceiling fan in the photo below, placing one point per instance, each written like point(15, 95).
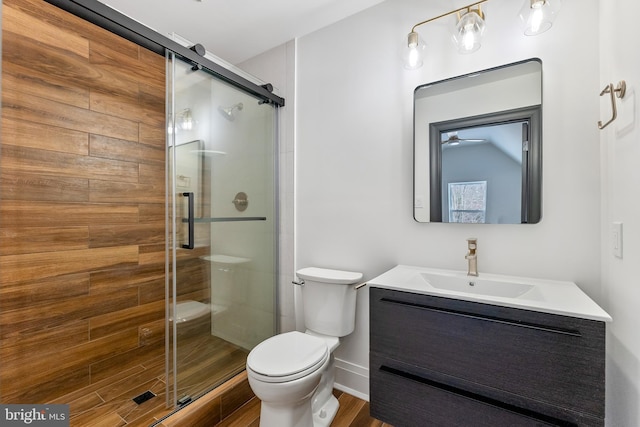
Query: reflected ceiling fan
point(454, 139)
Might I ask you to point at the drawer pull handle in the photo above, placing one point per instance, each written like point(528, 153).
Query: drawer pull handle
point(544, 328)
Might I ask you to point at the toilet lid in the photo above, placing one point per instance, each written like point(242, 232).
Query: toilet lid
point(287, 355)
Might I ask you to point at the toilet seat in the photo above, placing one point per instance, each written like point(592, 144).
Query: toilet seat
point(287, 357)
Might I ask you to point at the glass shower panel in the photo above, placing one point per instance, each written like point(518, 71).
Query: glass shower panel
point(222, 149)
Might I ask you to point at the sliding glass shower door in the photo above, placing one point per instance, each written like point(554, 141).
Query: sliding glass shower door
point(222, 219)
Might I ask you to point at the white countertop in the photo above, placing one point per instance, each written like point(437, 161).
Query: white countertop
point(547, 296)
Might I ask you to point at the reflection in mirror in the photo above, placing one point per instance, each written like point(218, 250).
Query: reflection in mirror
point(477, 147)
point(484, 169)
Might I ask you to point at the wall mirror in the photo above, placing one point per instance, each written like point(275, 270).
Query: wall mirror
point(478, 147)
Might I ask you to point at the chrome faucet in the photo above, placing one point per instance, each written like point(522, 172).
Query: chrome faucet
point(472, 257)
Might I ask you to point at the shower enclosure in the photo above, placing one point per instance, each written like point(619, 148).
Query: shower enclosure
point(221, 228)
point(138, 216)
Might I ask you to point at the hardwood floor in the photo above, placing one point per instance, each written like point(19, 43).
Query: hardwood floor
point(353, 412)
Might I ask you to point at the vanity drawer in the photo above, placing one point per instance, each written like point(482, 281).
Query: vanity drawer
point(543, 357)
point(405, 395)
point(401, 401)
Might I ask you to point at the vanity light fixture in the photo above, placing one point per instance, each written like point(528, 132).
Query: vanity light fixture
point(537, 15)
point(468, 31)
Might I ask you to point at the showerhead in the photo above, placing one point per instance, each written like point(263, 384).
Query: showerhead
point(227, 112)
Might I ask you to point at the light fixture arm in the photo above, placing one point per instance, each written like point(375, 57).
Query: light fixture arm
point(413, 29)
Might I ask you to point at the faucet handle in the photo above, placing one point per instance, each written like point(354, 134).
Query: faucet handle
point(472, 242)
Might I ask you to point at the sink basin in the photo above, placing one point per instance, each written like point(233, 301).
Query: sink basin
point(474, 285)
point(549, 296)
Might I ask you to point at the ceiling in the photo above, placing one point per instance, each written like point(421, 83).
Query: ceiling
point(236, 30)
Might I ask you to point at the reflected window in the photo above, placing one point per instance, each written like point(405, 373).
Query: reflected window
point(468, 202)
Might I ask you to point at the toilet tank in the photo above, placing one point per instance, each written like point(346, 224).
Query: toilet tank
point(329, 300)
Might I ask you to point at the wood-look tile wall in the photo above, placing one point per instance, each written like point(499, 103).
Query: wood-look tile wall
point(82, 193)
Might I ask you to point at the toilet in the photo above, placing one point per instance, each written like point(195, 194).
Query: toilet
point(293, 373)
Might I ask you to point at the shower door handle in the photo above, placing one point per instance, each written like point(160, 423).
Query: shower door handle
point(190, 220)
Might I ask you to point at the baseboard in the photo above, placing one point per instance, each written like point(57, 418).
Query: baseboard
point(352, 379)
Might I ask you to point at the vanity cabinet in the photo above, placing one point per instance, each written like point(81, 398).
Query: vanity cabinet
point(447, 362)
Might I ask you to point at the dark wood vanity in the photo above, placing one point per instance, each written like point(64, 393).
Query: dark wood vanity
point(438, 361)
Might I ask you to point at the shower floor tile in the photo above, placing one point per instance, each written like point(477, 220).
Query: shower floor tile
point(204, 360)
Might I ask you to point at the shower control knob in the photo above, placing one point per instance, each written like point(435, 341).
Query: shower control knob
point(241, 201)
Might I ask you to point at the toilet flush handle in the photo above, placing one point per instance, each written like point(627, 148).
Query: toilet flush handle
point(300, 283)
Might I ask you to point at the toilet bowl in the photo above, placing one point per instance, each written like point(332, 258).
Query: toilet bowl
point(284, 372)
point(293, 373)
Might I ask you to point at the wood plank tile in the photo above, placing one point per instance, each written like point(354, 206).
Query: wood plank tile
point(33, 266)
point(119, 362)
point(29, 186)
point(45, 316)
point(21, 106)
point(50, 84)
point(43, 137)
point(84, 403)
point(45, 388)
point(24, 240)
point(101, 57)
point(202, 412)
point(235, 398)
point(28, 213)
point(154, 332)
point(62, 66)
point(151, 291)
point(152, 254)
point(151, 174)
point(115, 48)
point(79, 394)
point(104, 415)
point(35, 370)
point(155, 63)
point(17, 21)
point(125, 277)
point(48, 290)
point(116, 321)
point(45, 343)
point(24, 160)
point(126, 107)
point(151, 417)
point(128, 151)
point(145, 380)
point(58, 18)
point(151, 212)
point(122, 235)
point(114, 192)
point(152, 97)
point(153, 135)
point(124, 69)
point(248, 415)
point(42, 85)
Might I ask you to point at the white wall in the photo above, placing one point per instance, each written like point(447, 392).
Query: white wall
point(620, 150)
point(354, 152)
